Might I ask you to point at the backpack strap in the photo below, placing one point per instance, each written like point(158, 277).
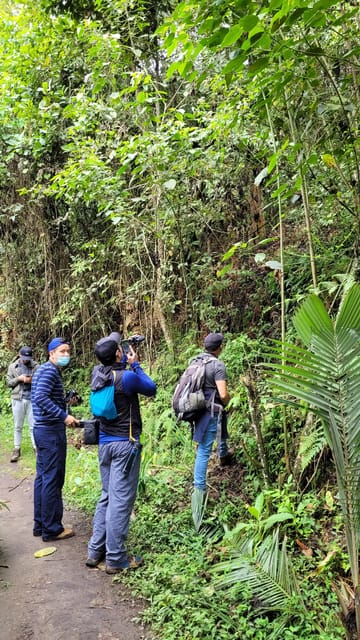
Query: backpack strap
point(118, 378)
point(214, 407)
point(131, 437)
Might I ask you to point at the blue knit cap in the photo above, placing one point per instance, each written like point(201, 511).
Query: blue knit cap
point(56, 342)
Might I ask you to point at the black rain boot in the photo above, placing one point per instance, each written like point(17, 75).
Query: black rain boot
point(15, 455)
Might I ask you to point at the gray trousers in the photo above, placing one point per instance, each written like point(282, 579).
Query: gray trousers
point(22, 409)
point(113, 510)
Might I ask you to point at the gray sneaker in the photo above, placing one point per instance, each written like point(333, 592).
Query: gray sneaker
point(94, 562)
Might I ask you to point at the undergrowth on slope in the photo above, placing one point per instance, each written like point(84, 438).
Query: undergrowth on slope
point(177, 579)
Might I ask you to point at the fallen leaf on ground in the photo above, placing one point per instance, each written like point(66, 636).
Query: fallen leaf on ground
point(305, 550)
point(47, 551)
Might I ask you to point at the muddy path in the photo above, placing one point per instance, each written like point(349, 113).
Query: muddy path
point(55, 597)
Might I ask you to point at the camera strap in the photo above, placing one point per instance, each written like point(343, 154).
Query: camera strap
point(131, 437)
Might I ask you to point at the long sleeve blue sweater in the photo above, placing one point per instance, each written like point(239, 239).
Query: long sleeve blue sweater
point(47, 396)
point(133, 382)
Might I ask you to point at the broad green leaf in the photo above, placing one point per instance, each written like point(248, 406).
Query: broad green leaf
point(141, 97)
point(295, 16)
point(273, 162)
point(277, 518)
point(261, 63)
point(198, 507)
point(235, 247)
point(279, 191)
point(249, 22)
point(232, 35)
point(253, 511)
point(236, 64)
point(173, 68)
point(222, 272)
point(264, 42)
point(328, 378)
point(259, 502)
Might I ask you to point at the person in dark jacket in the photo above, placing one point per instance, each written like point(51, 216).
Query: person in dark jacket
point(119, 455)
point(18, 378)
point(50, 420)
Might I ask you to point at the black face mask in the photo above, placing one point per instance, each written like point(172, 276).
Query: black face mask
point(25, 361)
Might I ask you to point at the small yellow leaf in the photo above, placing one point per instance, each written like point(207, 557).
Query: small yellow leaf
point(329, 160)
point(321, 566)
point(329, 500)
point(47, 551)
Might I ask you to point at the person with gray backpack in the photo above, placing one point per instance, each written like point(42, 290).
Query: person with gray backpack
point(200, 399)
point(212, 423)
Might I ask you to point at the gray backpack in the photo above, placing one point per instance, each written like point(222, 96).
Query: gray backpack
point(188, 401)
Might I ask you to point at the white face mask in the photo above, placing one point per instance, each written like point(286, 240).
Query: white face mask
point(63, 361)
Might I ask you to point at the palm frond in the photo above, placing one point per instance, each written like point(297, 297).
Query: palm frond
point(198, 507)
point(268, 573)
point(327, 377)
point(311, 315)
point(349, 310)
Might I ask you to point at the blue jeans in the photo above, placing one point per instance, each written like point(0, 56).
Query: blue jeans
point(113, 510)
point(49, 480)
point(203, 454)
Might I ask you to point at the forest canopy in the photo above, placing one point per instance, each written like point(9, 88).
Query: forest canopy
point(174, 167)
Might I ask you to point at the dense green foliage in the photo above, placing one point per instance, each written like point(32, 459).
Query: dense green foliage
point(171, 168)
point(137, 173)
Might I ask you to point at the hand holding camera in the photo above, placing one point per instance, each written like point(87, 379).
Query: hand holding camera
point(71, 421)
point(130, 346)
point(131, 356)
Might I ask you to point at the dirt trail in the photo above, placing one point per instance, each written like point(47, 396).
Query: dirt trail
point(56, 597)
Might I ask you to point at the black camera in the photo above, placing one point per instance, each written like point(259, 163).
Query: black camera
point(73, 398)
point(91, 431)
point(131, 457)
point(134, 341)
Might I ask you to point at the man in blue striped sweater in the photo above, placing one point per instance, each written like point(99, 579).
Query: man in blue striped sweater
point(50, 420)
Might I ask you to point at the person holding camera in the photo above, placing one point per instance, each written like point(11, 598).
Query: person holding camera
point(18, 378)
point(51, 417)
point(119, 453)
